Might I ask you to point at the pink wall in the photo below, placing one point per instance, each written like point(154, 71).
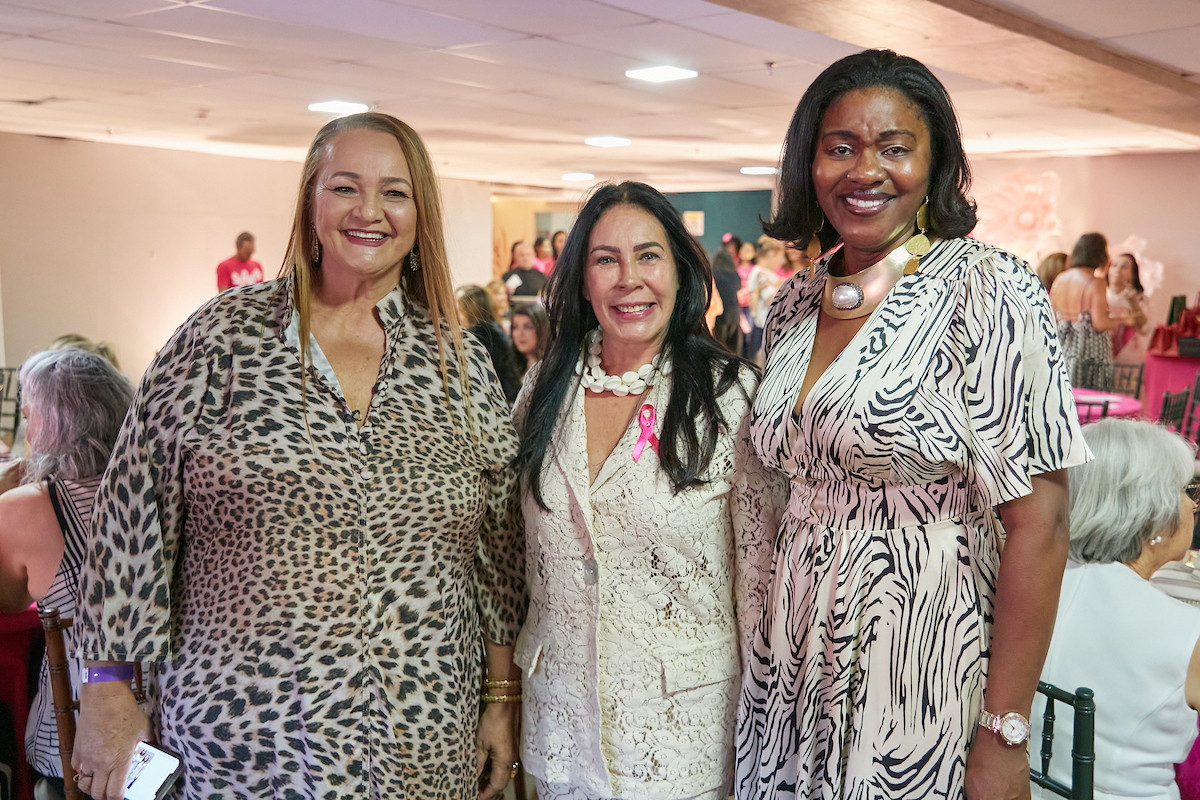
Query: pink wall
point(1151, 196)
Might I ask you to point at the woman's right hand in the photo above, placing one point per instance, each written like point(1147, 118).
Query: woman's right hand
point(110, 726)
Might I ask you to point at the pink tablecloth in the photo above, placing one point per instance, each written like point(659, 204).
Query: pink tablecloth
point(1119, 405)
point(1166, 374)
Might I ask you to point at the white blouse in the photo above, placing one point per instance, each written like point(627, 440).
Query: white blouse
point(641, 605)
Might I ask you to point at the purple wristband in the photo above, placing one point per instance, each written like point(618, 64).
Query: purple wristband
point(122, 672)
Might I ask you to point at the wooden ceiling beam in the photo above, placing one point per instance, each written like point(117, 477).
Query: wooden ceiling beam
point(975, 39)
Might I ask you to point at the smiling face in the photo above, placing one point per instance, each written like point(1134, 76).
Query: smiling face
point(524, 335)
point(631, 282)
point(363, 206)
point(871, 171)
point(1120, 272)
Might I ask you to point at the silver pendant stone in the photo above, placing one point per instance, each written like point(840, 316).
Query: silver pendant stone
point(847, 296)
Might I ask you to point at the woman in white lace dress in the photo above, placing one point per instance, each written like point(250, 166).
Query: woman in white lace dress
point(649, 519)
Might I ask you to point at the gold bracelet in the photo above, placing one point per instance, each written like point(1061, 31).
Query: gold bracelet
point(502, 698)
point(501, 684)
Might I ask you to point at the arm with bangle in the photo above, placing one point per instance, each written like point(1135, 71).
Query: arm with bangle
point(498, 723)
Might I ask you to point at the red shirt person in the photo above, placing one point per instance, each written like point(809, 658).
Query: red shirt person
point(239, 270)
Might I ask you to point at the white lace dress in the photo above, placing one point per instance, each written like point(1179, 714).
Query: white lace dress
point(641, 602)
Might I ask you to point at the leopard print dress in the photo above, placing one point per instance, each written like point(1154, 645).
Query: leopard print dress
point(315, 594)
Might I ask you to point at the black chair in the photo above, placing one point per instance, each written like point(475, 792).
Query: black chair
point(1091, 410)
point(1102, 376)
point(10, 404)
point(1174, 409)
point(1191, 420)
point(1083, 747)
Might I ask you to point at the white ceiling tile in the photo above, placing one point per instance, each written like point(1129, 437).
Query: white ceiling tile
point(768, 34)
point(271, 36)
point(372, 18)
point(669, 43)
point(26, 21)
point(1178, 48)
point(96, 9)
point(618, 99)
point(669, 9)
point(72, 82)
point(150, 44)
point(1102, 20)
point(451, 65)
point(534, 17)
point(561, 58)
point(707, 90)
point(59, 54)
point(790, 80)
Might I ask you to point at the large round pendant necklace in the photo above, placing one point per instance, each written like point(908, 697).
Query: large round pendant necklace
point(857, 295)
point(595, 378)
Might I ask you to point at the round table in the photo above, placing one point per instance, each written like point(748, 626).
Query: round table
point(1119, 405)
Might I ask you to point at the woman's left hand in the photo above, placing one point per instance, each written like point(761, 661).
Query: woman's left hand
point(996, 771)
point(497, 744)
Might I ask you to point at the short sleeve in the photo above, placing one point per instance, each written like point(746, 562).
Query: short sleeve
point(1018, 396)
point(500, 554)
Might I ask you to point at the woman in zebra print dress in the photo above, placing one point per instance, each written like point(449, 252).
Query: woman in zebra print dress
point(74, 403)
point(917, 400)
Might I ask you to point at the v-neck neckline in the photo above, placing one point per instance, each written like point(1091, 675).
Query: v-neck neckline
point(854, 344)
point(613, 461)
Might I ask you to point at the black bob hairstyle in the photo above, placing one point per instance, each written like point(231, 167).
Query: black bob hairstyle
point(692, 419)
point(799, 217)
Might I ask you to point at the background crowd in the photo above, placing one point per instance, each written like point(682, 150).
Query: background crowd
point(811, 520)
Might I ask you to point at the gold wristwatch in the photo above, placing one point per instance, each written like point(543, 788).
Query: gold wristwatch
point(1012, 728)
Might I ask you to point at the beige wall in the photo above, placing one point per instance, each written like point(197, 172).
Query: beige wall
point(1151, 196)
point(121, 243)
point(514, 219)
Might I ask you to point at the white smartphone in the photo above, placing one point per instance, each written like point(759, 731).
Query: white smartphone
point(152, 772)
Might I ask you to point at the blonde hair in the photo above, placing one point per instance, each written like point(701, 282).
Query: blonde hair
point(429, 284)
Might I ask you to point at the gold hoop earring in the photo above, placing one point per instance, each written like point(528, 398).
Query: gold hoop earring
point(919, 244)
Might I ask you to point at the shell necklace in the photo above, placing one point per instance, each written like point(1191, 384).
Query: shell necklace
point(595, 378)
point(857, 295)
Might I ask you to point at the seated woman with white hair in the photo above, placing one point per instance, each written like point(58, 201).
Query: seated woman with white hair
point(1137, 648)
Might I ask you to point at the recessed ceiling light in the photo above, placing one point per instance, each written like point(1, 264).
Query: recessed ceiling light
point(339, 107)
point(760, 171)
point(607, 141)
point(660, 74)
point(577, 176)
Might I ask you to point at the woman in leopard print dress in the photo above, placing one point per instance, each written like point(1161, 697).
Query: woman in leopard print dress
point(317, 558)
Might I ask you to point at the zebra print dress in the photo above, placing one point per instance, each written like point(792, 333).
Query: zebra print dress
point(868, 667)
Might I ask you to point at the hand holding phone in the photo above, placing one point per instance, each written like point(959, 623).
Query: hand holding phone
point(152, 772)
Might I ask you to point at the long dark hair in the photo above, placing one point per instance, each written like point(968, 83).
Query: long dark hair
point(799, 217)
point(693, 418)
point(1136, 273)
point(541, 326)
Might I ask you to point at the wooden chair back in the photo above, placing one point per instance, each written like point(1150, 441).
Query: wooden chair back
point(1083, 746)
point(65, 704)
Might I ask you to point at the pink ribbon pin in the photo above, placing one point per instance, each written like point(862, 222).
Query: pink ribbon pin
point(646, 421)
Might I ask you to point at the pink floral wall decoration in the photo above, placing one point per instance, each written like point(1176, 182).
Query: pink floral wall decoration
point(1020, 215)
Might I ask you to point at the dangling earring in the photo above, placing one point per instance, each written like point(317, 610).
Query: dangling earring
point(812, 265)
point(314, 252)
point(1155, 540)
point(413, 264)
point(919, 244)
